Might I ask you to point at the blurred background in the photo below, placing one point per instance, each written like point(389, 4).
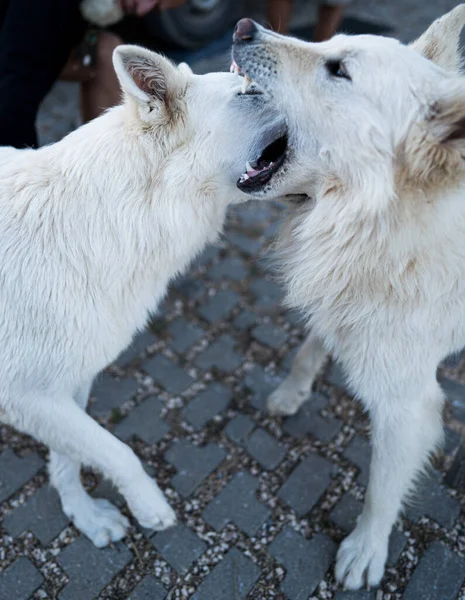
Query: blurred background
point(195, 31)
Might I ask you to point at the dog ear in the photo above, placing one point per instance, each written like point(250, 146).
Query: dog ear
point(149, 78)
point(445, 118)
point(440, 42)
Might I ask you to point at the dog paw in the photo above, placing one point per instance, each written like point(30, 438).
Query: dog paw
point(360, 559)
point(100, 521)
point(149, 506)
point(286, 399)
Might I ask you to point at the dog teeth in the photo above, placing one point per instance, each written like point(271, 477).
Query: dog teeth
point(244, 177)
point(248, 167)
point(245, 84)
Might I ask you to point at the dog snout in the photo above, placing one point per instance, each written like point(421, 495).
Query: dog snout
point(245, 30)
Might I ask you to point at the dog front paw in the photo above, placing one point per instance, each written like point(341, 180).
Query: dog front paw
point(149, 506)
point(361, 558)
point(99, 520)
point(286, 399)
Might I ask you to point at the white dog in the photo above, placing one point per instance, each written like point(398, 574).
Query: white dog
point(376, 256)
point(91, 231)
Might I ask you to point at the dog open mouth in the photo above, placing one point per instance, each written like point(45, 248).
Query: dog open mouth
point(259, 172)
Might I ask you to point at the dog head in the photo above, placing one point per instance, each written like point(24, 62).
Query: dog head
point(206, 128)
point(368, 117)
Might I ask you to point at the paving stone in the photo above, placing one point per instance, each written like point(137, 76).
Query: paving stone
point(138, 345)
point(15, 471)
point(306, 483)
point(109, 393)
point(261, 385)
point(89, 568)
point(455, 393)
point(218, 306)
point(206, 257)
point(432, 500)
point(245, 319)
point(192, 289)
point(42, 514)
point(230, 269)
point(179, 546)
point(270, 335)
point(184, 334)
point(20, 580)
point(165, 372)
point(209, 403)
point(306, 561)
point(438, 576)
point(246, 244)
point(238, 504)
point(267, 294)
point(105, 489)
point(356, 595)
point(307, 420)
point(231, 579)
point(288, 360)
point(345, 515)
point(193, 464)
point(335, 375)
point(221, 354)
point(148, 589)
point(239, 429)
point(145, 422)
point(359, 453)
point(265, 449)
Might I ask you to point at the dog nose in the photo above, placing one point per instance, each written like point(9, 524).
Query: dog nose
point(245, 30)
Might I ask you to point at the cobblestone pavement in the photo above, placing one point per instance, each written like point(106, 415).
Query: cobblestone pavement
point(262, 502)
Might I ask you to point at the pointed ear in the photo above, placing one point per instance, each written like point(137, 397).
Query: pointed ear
point(440, 42)
point(148, 78)
point(445, 120)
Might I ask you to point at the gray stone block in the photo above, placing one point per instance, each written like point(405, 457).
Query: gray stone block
point(109, 393)
point(245, 319)
point(230, 268)
point(239, 429)
point(206, 257)
point(218, 306)
point(165, 372)
point(148, 589)
point(261, 385)
point(192, 289)
point(138, 345)
point(306, 483)
point(209, 403)
point(432, 500)
point(270, 335)
point(145, 422)
point(438, 576)
point(221, 354)
point(184, 334)
point(41, 514)
point(231, 579)
point(356, 595)
point(455, 393)
point(179, 546)
point(193, 464)
point(248, 245)
point(15, 471)
point(20, 580)
point(89, 568)
point(237, 503)
point(359, 453)
point(267, 293)
point(265, 449)
point(335, 375)
point(307, 420)
point(306, 561)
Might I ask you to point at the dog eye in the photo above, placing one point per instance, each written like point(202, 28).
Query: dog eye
point(336, 68)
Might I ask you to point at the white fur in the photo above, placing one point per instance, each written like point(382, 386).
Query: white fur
point(102, 12)
point(376, 258)
point(92, 229)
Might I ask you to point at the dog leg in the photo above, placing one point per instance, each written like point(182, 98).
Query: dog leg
point(404, 435)
point(296, 388)
point(97, 518)
point(78, 439)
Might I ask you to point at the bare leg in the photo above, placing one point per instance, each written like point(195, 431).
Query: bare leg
point(296, 388)
point(98, 519)
point(279, 15)
point(102, 90)
point(405, 432)
point(329, 19)
point(75, 438)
